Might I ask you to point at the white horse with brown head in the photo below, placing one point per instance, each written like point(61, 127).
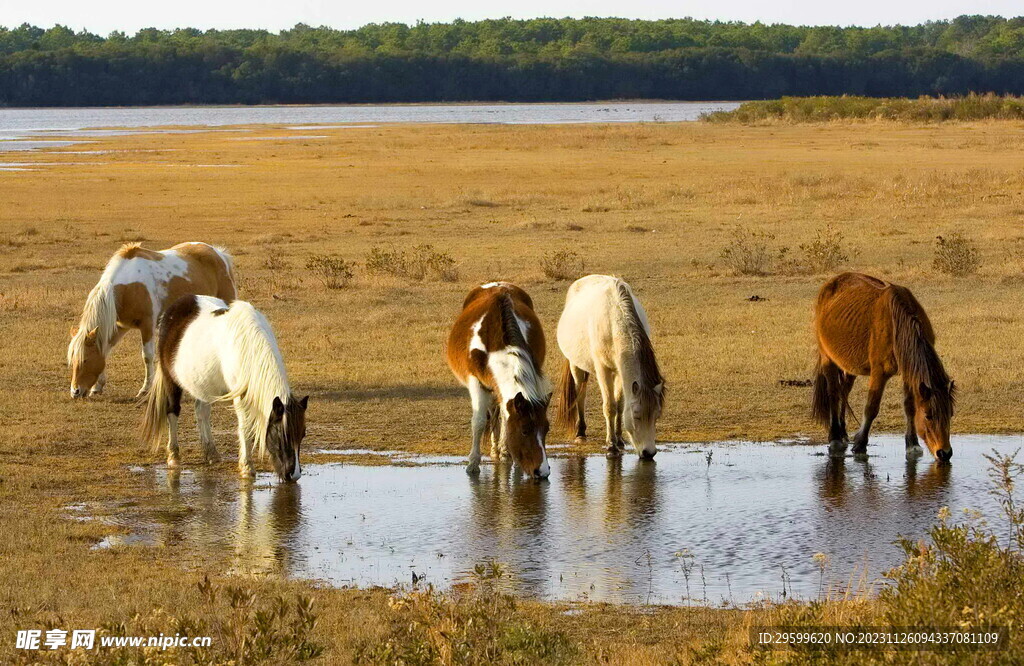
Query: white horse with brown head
point(218, 352)
point(136, 286)
point(604, 332)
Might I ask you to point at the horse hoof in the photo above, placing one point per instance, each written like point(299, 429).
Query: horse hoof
point(837, 449)
point(580, 440)
point(914, 452)
point(247, 473)
point(473, 468)
point(614, 452)
point(173, 463)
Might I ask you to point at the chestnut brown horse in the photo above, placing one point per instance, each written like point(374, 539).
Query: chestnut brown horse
point(496, 350)
point(869, 327)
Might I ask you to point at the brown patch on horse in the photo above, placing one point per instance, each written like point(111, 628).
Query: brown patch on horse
point(173, 323)
point(498, 308)
point(650, 398)
point(216, 271)
point(136, 251)
point(134, 305)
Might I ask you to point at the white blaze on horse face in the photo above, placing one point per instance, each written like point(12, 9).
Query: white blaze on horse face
point(545, 469)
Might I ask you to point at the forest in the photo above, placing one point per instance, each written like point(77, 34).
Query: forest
point(534, 60)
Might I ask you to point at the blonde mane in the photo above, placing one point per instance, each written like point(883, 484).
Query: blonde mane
point(100, 311)
point(262, 376)
point(650, 376)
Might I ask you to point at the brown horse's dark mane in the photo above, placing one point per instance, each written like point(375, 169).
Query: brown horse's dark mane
point(650, 373)
point(913, 345)
point(513, 337)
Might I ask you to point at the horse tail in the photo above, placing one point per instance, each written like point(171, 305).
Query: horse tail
point(567, 415)
point(154, 420)
point(826, 383)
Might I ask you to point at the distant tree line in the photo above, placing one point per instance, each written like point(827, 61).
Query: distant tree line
point(511, 60)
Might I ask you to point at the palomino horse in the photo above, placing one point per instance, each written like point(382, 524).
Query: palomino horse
point(135, 287)
point(604, 331)
point(496, 349)
point(216, 352)
point(878, 329)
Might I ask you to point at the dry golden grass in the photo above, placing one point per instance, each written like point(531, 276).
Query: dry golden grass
point(653, 203)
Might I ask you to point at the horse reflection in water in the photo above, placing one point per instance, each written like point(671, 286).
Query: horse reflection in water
point(516, 522)
point(258, 535)
point(866, 510)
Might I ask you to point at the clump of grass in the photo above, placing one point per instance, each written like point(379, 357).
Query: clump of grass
point(751, 253)
point(562, 265)
point(275, 262)
point(244, 626)
point(421, 262)
point(826, 252)
point(956, 255)
point(479, 625)
point(331, 270)
point(922, 109)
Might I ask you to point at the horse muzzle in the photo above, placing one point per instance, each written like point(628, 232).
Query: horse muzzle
point(944, 455)
point(76, 392)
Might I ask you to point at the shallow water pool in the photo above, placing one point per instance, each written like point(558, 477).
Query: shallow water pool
point(731, 522)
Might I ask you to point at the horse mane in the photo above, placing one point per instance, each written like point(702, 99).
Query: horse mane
point(916, 358)
point(640, 344)
point(262, 376)
point(100, 311)
point(525, 373)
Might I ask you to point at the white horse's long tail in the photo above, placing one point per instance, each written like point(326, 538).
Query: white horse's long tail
point(154, 420)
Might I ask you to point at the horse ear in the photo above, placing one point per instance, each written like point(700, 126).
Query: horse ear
point(91, 335)
point(74, 331)
point(277, 409)
point(659, 387)
point(925, 391)
point(636, 388)
point(518, 404)
point(952, 387)
point(304, 402)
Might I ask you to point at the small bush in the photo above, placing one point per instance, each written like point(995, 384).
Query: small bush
point(826, 252)
point(562, 265)
point(331, 270)
point(420, 263)
point(751, 253)
point(956, 255)
point(275, 262)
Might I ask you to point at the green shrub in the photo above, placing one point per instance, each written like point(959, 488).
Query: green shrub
point(421, 262)
point(331, 270)
point(956, 255)
point(562, 265)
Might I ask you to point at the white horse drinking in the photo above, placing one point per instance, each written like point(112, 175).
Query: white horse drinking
point(216, 352)
point(604, 332)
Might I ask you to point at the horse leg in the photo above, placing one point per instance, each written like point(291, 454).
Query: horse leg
point(606, 382)
point(206, 432)
point(148, 356)
point(245, 466)
point(481, 399)
point(580, 377)
point(620, 404)
point(876, 386)
point(913, 445)
point(498, 449)
point(844, 403)
point(173, 411)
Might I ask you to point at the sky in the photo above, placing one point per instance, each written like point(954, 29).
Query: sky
point(104, 16)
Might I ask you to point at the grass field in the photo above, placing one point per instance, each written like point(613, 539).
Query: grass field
point(655, 203)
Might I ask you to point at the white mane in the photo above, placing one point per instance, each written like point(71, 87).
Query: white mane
point(514, 372)
point(100, 312)
point(260, 376)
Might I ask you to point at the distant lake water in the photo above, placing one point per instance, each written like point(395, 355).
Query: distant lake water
point(19, 124)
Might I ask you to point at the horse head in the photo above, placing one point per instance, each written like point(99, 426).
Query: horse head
point(526, 428)
point(87, 361)
point(932, 415)
point(639, 421)
point(285, 430)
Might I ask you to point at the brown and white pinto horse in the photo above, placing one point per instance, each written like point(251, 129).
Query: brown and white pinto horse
point(869, 327)
point(496, 349)
point(136, 285)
